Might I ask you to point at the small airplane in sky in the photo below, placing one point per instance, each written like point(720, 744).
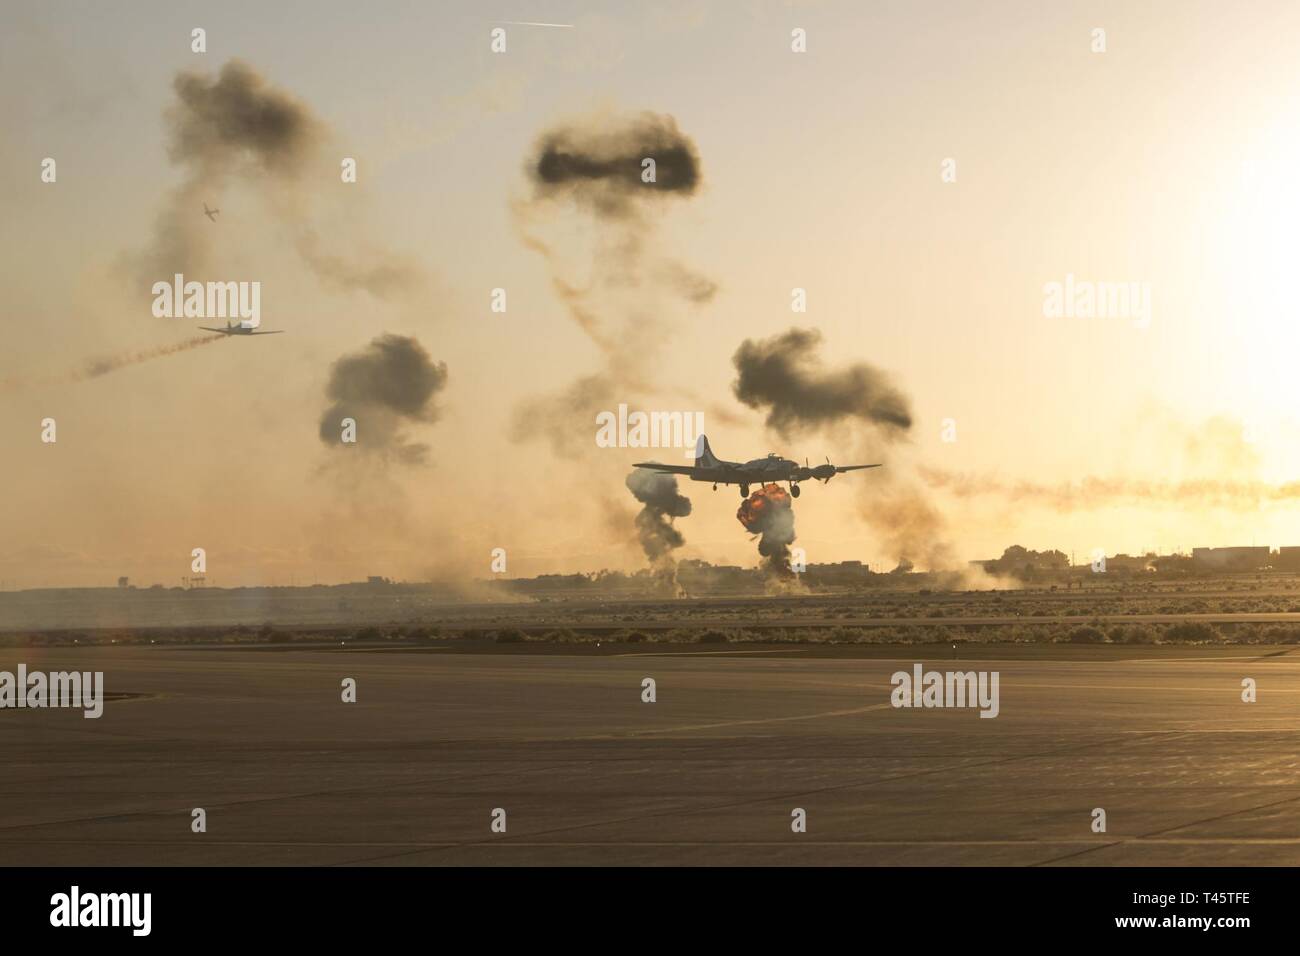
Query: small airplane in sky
point(243, 328)
point(759, 471)
point(210, 213)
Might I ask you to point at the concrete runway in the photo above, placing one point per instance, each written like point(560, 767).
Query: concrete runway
point(709, 774)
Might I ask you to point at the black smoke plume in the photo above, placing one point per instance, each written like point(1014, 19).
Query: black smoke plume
point(659, 537)
point(601, 163)
point(785, 376)
point(217, 125)
point(387, 386)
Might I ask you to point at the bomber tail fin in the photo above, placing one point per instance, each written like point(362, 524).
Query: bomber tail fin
point(704, 457)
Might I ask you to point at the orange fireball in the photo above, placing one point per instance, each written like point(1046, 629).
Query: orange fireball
point(757, 507)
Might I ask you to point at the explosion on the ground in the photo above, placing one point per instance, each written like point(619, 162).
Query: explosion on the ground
point(654, 522)
point(768, 513)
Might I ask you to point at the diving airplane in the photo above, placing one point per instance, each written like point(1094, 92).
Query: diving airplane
point(243, 328)
point(210, 213)
point(760, 471)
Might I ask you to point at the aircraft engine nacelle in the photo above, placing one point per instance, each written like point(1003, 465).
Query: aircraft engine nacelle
point(822, 473)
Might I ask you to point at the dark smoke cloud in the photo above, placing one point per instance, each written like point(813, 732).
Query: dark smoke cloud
point(662, 503)
point(598, 162)
point(784, 375)
point(219, 124)
point(385, 387)
point(237, 125)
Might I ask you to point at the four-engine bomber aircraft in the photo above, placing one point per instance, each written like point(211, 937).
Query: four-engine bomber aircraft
point(761, 471)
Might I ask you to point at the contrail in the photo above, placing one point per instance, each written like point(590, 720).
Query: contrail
point(533, 23)
point(1091, 492)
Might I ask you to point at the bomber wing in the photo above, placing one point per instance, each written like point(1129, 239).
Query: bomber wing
point(666, 469)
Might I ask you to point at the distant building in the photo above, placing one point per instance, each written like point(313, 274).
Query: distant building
point(1026, 564)
point(1287, 558)
point(1169, 563)
point(1130, 562)
point(841, 573)
point(1231, 559)
point(124, 582)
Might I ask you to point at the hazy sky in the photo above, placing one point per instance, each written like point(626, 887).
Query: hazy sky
point(1169, 161)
